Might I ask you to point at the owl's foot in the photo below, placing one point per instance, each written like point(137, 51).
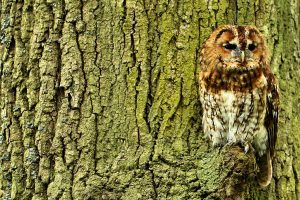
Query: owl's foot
point(217, 142)
point(246, 146)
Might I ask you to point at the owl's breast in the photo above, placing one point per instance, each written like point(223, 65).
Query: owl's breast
point(242, 108)
point(234, 116)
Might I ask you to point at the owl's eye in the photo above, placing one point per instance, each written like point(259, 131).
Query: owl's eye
point(230, 46)
point(251, 47)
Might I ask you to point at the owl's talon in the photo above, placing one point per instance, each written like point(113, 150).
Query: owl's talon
point(217, 144)
point(246, 148)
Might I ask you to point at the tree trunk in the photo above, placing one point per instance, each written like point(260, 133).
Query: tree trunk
point(99, 100)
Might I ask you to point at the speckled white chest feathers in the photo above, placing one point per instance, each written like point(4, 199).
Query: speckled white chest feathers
point(235, 117)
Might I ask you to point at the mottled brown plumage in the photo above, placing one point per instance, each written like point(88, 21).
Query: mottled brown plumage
point(239, 94)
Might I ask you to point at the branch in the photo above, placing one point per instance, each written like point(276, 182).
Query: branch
point(226, 172)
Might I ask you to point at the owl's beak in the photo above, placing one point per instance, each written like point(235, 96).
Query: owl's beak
point(243, 56)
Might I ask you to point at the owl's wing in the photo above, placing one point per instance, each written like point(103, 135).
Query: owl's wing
point(271, 123)
point(271, 119)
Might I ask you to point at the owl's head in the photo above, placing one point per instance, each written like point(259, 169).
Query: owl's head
point(235, 48)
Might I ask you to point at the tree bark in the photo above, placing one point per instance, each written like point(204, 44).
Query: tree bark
point(99, 100)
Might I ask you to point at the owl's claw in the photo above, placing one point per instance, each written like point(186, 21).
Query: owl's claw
point(217, 144)
point(246, 148)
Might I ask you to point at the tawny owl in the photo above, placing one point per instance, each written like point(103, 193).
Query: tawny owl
point(239, 94)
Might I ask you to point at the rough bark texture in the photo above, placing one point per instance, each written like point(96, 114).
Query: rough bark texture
point(99, 100)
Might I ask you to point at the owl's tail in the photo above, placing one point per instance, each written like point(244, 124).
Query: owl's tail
point(264, 176)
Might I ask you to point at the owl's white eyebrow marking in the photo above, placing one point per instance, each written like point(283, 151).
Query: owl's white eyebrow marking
point(247, 33)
